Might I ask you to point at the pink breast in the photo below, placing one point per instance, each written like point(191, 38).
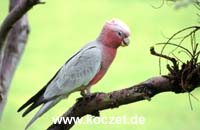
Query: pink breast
point(97, 77)
point(107, 58)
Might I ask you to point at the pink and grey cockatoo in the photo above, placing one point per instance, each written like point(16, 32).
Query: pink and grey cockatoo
point(82, 70)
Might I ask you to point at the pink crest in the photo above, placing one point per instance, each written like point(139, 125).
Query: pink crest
point(117, 24)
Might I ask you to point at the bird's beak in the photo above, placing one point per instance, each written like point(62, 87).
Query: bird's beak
point(125, 41)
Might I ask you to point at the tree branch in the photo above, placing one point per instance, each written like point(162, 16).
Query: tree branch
point(16, 13)
point(101, 101)
point(179, 80)
point(20, 9)
point(13, 37)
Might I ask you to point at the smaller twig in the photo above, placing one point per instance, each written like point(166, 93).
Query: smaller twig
point(190, 101)
point(180, 31)
point(173, 44)
point(192, 42)
point(158, 7)
point(195, 49)
point(182, 51)
point(195, 28)
point(180, 42)
point(178, 59)
point(153, 52)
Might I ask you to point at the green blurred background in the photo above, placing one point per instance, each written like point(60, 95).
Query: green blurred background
point(60, 28)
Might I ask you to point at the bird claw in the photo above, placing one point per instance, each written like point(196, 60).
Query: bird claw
point(83, 94)
point(86, 92)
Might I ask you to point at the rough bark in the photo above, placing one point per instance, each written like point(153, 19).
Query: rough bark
point(13, 37)
point(101, 101)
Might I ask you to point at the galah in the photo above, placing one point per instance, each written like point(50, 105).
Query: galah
point(82, 70)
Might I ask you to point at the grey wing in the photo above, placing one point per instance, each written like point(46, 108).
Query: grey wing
point(77, 72)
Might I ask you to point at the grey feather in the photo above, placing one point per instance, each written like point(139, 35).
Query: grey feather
point(45, 107)
point(77, 73)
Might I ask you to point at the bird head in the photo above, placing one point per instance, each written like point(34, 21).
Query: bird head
point(115, 33)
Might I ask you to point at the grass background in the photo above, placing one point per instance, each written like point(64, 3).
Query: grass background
point(60, 28)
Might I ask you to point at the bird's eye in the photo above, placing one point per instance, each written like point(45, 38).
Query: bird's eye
point(120, 34)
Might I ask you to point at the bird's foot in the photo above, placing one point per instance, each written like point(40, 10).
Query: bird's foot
point(86, 92)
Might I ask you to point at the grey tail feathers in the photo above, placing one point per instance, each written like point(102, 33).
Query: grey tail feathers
point(45, 107)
